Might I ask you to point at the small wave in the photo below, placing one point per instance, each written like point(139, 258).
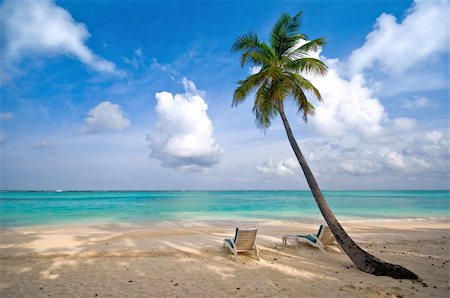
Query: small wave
point(407, 219)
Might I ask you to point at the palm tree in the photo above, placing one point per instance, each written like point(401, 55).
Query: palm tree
point(281, 64)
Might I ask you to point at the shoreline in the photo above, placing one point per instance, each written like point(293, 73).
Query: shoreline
point(74, 260)
point(219, 222)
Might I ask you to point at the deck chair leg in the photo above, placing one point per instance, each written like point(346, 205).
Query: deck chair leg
point(320, 246)
point(236, 255)
point(256, 250)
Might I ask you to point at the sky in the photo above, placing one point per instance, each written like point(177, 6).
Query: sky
point(136, 95)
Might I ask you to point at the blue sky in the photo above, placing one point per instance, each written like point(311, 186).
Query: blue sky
point(137, 95)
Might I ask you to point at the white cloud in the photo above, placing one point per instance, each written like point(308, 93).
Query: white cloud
point(401, 155)
point(41, 28)
point(351, 106)
point(105, 116)
point(417, 102)
point(155, 65)
point(432, 145)
point(6, 116)
point(183, 137)
point(433, 137)
point(360, 166)
point(284, 167)
point(137, 60)
point(372, 159)
point(392, 159)
point(348, 104)
point(398, 46)
point(404, 123)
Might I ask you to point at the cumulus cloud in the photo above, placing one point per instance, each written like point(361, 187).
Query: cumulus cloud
point(360, 166)
point(105, 116)
point(398, 46)
point(183, 137)
point(372, 160)
point(284, 167)
point(349, 105)
point(422, 154)
point(404, 123)
point(432, 145)
point(41, 28)
point(418, 102)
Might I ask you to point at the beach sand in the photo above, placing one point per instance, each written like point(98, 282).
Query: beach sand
point(187, 260)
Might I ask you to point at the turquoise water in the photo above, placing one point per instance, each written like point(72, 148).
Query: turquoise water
point(41, 208)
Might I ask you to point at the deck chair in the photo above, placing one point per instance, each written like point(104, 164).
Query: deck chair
point(323, 237)
point(243, 241)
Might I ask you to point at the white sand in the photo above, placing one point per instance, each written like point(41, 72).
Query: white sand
point(189, 261)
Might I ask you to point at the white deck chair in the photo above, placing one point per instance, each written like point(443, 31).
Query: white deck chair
point(243, 241)
point(323, 237)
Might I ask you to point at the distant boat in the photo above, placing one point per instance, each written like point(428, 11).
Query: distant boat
point(59, 190)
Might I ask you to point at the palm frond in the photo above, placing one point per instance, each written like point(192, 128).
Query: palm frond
point(308, 65)
point(284, 33)
point(310, 46)
point(253, 50)
point(264, 107)
point(297, 86)
point(308, 86)
point(269, 52)
point(295, 23)
point(246, 42)
point(275, 73)
point(304, 106)
point(307, 109)
point(278, 31)
point(256, 58)
point(246, 86)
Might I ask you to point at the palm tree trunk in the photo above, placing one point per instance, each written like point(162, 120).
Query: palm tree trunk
point(362, 259)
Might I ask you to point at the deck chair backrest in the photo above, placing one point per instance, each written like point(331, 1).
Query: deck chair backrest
point(245, 239)
point(325, 235)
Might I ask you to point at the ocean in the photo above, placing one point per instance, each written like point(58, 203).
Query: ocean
point(18, 209)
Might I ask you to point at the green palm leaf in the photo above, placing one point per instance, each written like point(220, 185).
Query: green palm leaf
point(310, 46)
point(282, 64)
